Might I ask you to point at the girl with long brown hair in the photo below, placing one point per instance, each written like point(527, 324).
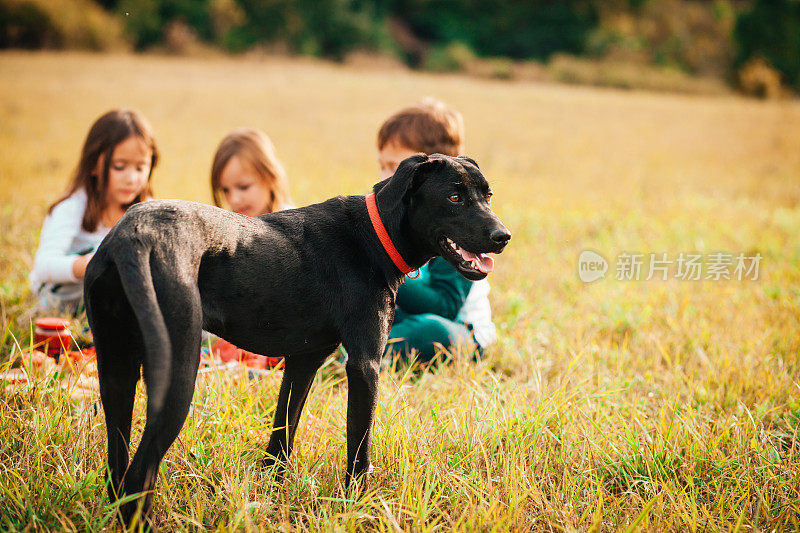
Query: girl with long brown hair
point(113, 173)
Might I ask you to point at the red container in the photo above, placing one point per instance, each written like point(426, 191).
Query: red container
point(53, 333)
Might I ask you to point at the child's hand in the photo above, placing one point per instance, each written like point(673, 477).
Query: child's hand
point(79, 265)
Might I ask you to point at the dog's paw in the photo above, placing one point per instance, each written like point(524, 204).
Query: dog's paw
point(276, 465)
point(134, 518)
point(356, 484)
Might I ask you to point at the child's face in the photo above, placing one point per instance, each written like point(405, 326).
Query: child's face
point(390, 156)
point(245, 191)
point(128, 171)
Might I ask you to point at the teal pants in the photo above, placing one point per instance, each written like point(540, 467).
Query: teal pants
point(422, 333)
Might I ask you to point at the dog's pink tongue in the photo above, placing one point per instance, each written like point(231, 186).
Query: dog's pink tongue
point(485, 263)
point(482, 262)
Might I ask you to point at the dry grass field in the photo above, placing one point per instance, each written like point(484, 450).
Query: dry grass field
point(655, 405)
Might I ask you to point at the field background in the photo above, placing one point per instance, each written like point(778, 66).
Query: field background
point(657, 405)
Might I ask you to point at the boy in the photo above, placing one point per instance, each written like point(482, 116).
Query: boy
point(440, 307)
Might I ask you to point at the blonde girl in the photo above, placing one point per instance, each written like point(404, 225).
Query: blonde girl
point(247, 174)
point(113, 173)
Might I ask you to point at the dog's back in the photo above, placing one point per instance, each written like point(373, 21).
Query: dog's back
point(268, 284)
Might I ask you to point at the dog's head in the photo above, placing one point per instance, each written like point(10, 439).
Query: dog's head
point(446, 204)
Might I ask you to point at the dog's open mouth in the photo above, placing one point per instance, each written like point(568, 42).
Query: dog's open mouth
point(470, 264)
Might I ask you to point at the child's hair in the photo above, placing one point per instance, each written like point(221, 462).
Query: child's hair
point(255, 147)
point(428, 126)
point(105, 134)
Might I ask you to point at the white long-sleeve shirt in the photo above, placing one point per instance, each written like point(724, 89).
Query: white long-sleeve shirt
point(62, 240)
point(478, 312)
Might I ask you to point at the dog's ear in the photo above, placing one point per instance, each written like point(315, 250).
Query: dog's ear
point(421, 173)
point(469, 160)
point(394, 190)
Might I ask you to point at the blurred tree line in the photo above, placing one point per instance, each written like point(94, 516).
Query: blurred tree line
point(723, 38)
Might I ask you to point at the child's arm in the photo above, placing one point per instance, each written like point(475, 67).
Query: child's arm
point(443, 292)
point(52, 263)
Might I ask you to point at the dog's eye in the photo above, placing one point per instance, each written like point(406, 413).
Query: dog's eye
point(488, 198)
point(455, 198)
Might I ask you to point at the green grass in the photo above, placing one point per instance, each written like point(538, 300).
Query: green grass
point(606, 406)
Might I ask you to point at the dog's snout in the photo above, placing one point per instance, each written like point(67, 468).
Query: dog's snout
point(500, 235)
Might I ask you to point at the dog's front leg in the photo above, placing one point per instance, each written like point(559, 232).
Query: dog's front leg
point(299, 372)
point(362, 399)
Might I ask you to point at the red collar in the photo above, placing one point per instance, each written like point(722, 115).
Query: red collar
point(383, 235)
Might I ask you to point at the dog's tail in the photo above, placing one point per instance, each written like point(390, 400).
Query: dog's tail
point(137, 281)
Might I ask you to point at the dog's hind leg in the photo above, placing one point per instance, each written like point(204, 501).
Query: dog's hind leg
point(117, 392)
point(118, 342)
point(298, 374)
point(183, 318)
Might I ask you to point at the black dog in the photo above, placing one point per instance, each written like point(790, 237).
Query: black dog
point(294, 283)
